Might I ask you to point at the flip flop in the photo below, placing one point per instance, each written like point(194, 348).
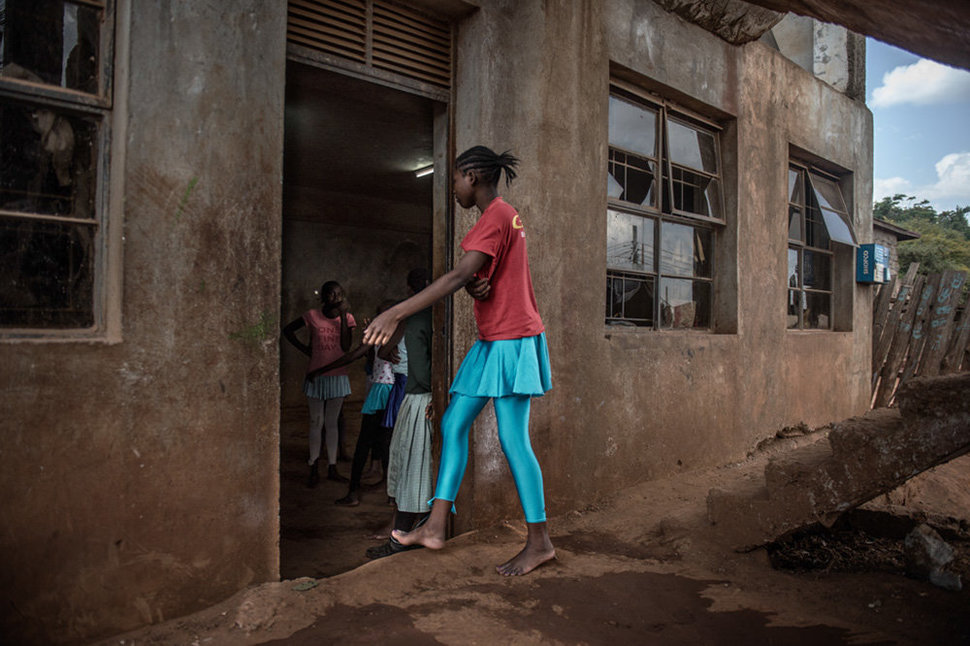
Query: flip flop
point(389, 548)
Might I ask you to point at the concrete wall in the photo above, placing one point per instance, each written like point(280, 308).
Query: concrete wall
point(140, 479)
point(831, 52)
point(629, 405)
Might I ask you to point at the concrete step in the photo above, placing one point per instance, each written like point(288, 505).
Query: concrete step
point(861, 458)
point(796, 467)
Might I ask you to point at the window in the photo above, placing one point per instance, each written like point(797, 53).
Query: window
point(665, 206)
point(54, 105)
point(817, 219)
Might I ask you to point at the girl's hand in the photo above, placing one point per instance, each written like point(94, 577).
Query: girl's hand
point(478, 288)
point(381, 328)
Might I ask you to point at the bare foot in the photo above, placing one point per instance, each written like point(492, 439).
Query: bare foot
point(423, 535)
point(538, 549)
point(525, 561)
point(430, 532)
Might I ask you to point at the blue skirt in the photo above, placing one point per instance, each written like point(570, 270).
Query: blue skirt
point(505, 367)
point(376, 399)
point(326, 387)
point(394, 399)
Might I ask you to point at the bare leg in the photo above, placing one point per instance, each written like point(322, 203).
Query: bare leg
point(538, 549)
point(432, 533)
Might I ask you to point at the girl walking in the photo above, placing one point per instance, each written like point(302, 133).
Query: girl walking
point(330, 329)
point(508, 364)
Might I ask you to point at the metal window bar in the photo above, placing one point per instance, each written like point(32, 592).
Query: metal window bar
point(618, 163)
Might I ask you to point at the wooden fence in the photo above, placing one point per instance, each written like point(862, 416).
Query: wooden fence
point(919, 329)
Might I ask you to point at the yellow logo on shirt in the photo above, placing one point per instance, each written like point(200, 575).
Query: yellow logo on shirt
point(516, 222)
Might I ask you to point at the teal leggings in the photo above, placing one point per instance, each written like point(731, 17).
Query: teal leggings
point(512, 414)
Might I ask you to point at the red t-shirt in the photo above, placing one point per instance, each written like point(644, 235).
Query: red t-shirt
point(510, 311)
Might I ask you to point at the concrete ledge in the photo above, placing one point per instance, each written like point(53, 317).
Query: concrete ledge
point(861, 458)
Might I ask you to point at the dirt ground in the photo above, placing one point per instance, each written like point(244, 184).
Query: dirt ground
point(642, 567)
point(318, 538)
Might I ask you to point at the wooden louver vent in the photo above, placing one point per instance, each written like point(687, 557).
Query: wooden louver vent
point(380, 35)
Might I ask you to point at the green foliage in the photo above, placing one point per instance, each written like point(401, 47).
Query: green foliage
point(944, 241)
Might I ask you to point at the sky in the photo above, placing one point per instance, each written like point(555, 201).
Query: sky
point(921, 126)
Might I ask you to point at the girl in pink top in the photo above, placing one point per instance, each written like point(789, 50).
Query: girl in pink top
point(330, 331)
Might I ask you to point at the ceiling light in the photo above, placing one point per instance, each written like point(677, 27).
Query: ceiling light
point(421, 172)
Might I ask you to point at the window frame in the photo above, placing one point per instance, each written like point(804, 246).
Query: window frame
point(663, 211)
point(800, 246)
point(101, 109)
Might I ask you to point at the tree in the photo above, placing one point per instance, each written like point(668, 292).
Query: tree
point(944, 241)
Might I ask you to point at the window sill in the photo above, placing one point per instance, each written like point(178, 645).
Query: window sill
point(93, 337)
point(623, 330)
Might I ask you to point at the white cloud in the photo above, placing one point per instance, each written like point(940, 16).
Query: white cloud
point(924, 82)
point(888, 187)
point(953, 172)
point(951, 188)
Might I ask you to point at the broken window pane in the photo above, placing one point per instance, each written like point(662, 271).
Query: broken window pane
point(629, 242)
point(633, 128)
point(816, 270)
point(818, 311)
point(632, 179)
point(691, 147)
point(52, 42)
point(794, 223)
point(48, 160)
point(816, 234)
point(685, 303)
point(629, 299)
point(46, 274)
point(685, 250)
point(696, 193)
point(796, 187)
point(796, 302)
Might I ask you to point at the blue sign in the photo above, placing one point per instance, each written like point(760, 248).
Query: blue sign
point(872, 264)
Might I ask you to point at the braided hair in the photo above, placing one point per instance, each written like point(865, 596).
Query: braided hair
point(488, 163)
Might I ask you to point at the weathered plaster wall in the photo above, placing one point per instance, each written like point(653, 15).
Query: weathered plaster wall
point(628, 404)
point(140, 479)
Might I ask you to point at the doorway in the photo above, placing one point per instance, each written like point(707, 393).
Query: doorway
point(355, 211)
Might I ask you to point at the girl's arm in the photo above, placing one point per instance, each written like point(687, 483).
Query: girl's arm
point(382, 327)
point(289, 332)
point(388, 351)
point(345, 360)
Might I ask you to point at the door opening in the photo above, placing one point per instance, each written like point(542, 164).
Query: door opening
point(354, 211)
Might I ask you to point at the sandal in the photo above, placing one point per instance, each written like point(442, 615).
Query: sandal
point(389, 548)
